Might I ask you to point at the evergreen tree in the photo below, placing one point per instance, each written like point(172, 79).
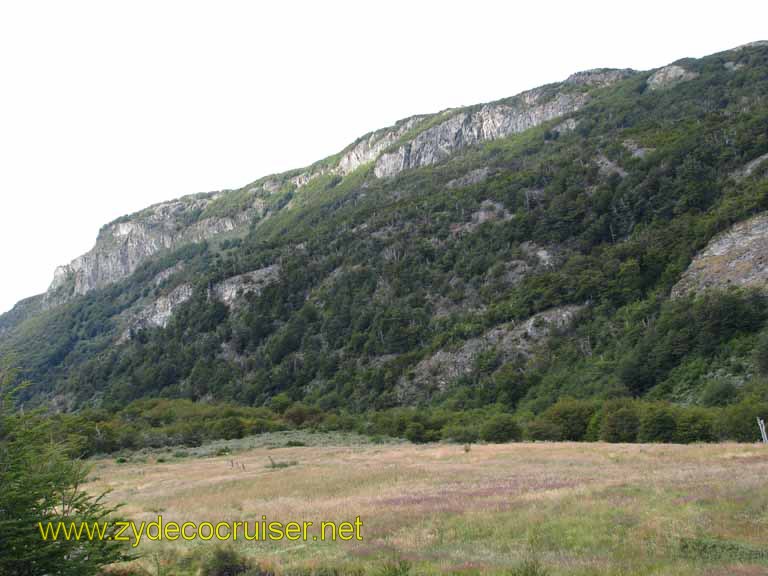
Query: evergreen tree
point(40, 483)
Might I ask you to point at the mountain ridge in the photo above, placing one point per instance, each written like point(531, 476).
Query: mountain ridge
point(442, 231)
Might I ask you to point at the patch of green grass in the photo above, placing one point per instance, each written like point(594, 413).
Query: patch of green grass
point(714, 550)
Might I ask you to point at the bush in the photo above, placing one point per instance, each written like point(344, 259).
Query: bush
point(569, 416)
point(224, 562)
point(718, 393)
point(620, 421)
point(460, 433)
point(657, 424)
point(545, 429)
point(228, 428)
point(761, 353)
point(501, 428)
point(739, 421)
point(416, 433)
point(695, 425)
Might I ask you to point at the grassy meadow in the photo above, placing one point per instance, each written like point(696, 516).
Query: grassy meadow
point(523, 508)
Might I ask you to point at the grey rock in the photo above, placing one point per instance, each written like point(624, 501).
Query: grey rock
point(489, 211)
point(669, 76)
point(608, 167)
point(599, 77)
point(738, 257)
point(470, 178)
point(233, 289)
point(512, 340)
point(126, 243)
point(636, 150)
point(158, 313)
point(465, 128)
point(749, 168)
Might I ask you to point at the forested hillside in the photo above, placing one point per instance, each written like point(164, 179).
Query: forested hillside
point(522, 257)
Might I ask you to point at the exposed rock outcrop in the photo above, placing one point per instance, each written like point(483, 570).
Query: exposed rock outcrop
point(608, 167)
point(158, 313)
point(749, 168)
point(599, 76)
point(669, 76)
point(465, 128)
point(470, 178)
point(234, 288)
point(636, 149)
point(126, 243)
point(365, 150)
point(489, 211)
point(510, 341)
point(369, 148)
point(738, 257)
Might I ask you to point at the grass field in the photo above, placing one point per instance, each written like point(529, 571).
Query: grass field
point(570, 508)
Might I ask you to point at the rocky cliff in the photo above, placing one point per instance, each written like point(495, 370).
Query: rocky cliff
point(738, 257)
point(466, 128)
point(124, 244)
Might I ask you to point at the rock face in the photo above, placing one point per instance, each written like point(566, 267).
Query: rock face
point(636, 150)
point(365, 150)
point(669, 76)
point(489, 211)
point(510, 341)
point(234, 288)
point(126, 243)
point(607, 167)
point(749, 168)
point(738, 257)
point(369, 148)
point(599, 77)
point(466, 128)
point(470, 178)
point(158, 313)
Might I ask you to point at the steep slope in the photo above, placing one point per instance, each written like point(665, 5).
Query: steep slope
point(510, 253)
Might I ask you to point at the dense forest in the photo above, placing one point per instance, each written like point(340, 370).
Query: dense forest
point(379, 275)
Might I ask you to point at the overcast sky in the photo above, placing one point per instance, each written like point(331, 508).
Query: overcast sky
point(107, 107)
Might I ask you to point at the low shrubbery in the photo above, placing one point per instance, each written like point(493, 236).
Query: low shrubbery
point(631, 420)
point(156, 423)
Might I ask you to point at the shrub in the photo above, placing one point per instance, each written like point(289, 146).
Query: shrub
point(718, 393)
point(416, 433)
point(501, 428)
point(657, 424)
point(761, 353)
point(460, 433)
point(569, 416)
point(695, 425)
point(228, 428)
point(545, 429)
point(620, 421)
point(224, 562)
point(739, 421)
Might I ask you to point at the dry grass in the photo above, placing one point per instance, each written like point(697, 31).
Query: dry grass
point(580, 508)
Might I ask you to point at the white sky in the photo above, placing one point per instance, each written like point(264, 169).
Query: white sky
point(107, 107)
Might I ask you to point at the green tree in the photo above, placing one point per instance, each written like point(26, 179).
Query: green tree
point(41, 484)
point(620, 421)
point(501, 428)
point(657, 424)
